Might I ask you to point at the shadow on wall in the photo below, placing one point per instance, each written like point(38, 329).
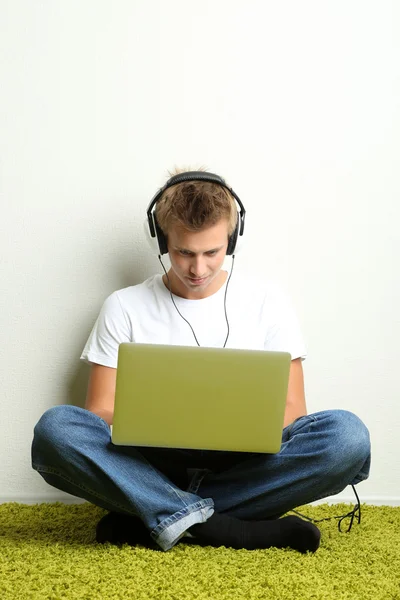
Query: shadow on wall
point(123, 276)
point(77, 386)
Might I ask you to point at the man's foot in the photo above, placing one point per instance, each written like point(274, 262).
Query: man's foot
point(118, 529)
point(288, 532)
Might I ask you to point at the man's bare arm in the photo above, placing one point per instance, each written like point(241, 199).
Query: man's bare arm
point(295, 400)
point(100, 396)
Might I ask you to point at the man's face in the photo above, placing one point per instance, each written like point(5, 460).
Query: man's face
point(196, 259)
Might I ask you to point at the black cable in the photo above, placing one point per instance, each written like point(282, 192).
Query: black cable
point(352, 514)
point(226, 289)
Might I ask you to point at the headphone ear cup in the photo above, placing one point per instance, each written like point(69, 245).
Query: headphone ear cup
point(162, 240)
point(239, 245)
point(153, 241)
point(233, 239)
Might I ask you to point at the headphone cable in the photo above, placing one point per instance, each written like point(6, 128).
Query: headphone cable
point(173, 301)
point(356, 512)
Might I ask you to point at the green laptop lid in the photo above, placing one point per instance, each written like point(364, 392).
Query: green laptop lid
point(200, 398)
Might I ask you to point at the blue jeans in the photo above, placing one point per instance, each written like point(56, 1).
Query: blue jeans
point(172, 489)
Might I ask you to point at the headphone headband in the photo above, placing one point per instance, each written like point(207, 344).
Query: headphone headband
point(155, 230)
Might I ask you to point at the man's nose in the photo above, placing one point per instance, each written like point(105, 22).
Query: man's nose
point(198, 266)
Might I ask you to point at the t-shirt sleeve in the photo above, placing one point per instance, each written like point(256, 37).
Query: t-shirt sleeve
point(283, 331)
point(110, 330)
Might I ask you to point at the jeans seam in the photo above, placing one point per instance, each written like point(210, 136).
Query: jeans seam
point(50, 471)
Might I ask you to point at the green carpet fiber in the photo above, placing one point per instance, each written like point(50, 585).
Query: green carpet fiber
point(49, 551)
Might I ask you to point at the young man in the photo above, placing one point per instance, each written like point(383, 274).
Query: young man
point(160, 496)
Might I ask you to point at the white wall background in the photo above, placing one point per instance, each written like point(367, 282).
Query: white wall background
point(295, 103)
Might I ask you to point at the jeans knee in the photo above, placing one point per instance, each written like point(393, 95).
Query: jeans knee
point(52, 430)
point(349, 440)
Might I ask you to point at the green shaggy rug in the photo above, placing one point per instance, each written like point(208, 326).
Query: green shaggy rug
point(49, 551)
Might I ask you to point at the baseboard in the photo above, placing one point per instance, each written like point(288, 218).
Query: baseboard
point(42, 499)
point(351, 499)
point(67, 499)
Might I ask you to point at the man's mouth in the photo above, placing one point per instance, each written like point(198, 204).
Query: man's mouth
point(197, 281)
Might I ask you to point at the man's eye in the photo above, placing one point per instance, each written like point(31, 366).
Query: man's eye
point(212, 252)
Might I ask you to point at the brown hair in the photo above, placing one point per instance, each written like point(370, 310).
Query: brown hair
point(195, 204)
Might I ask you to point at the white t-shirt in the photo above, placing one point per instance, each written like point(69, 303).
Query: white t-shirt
point(260, 317)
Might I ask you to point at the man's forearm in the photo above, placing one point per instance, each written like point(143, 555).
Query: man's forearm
point(293, 412)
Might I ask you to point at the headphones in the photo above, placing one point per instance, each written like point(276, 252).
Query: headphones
point(154, 233)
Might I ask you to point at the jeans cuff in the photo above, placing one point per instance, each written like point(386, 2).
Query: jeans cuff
point(170, 531)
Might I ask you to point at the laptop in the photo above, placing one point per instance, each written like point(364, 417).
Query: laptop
point(200, 398)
